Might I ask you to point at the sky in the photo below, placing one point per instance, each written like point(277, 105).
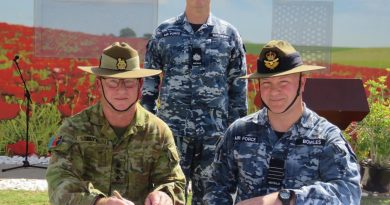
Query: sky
point(355, 23)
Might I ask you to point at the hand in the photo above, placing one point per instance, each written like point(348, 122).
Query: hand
point(158, 198)
point(117, 199)
point(113, 201)
point(119, 196)
point(270, 199)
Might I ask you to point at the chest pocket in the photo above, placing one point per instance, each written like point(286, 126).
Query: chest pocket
point(250, 155)
point(302, 164)
point(251, 158)
point(139, 169)
point(218, 53)
point(175, 51)
point(96, 153)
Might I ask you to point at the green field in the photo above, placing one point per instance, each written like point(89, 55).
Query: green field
point(368, 57)
point(363, 57)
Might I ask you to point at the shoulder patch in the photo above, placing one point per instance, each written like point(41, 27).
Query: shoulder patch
point(55, 141)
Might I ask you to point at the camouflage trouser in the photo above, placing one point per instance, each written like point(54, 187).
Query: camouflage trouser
point(196, 156)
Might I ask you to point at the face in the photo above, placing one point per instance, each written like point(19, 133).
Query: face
point(121, 93)
point(278, 92)
point(198, 3)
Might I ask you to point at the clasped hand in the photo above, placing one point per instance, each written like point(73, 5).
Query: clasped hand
point(154, 198)
point(116, 199)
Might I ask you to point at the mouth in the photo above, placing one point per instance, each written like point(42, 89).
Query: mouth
point(121, 99)
point(277, 100)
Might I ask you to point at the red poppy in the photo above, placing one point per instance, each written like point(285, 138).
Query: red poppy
point(19, 148)
point(12, 90)
point(47, 82)
point(65, 110)
point(8, 111)
point(44, 96)
point(257, 101)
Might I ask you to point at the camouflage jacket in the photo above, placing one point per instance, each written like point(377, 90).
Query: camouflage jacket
point(200, 88)
point(318, 163)
point(89, 160)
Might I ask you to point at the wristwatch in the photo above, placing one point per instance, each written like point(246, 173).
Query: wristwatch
point(285, 196)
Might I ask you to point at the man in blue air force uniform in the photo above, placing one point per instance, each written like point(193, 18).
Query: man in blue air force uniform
point(202, 58)
point(284, 153)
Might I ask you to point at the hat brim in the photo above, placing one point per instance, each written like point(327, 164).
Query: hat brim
point(299, 69)
point(139, 73)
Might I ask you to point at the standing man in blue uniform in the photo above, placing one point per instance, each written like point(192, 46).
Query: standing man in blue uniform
point(285, 153)
point(202, 58)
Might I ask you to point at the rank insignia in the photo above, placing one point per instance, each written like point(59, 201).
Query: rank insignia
point(196, 56)
point(272, 61)
point(121, 64)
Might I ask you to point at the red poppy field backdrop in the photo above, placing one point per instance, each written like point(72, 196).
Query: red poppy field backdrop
point(57, 85)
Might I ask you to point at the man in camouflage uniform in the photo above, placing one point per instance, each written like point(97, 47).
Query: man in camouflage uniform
point(284, 153)
point(202, 58)
point(115, 152)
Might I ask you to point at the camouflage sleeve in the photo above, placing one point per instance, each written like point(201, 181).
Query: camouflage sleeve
point(340, 177)
point(63, 176)
point(150, 89)
point(223, 182)
point(167, 175)
point(238, 105)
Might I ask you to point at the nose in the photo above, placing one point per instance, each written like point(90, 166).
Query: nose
point(274, 90)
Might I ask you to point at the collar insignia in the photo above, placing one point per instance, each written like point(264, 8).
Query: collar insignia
point(121, 64)
point(271, 61)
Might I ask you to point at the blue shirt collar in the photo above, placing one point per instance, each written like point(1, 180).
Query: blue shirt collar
point(307, 119)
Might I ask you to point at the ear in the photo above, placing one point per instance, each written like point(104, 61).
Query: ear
point(303, 83)
point(98, 84)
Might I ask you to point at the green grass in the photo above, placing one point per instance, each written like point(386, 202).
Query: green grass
point(365, 57)
point(12, 197)
point(253, 48)
point(368, 57)
point(375, 201)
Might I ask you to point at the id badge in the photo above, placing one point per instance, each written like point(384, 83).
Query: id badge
point(196, 57)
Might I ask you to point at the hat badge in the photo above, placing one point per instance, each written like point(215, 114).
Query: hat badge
point(121, 64)
point(271, 61)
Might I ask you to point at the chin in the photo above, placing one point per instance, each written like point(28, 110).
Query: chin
point(277, 109)
point(121, 106)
